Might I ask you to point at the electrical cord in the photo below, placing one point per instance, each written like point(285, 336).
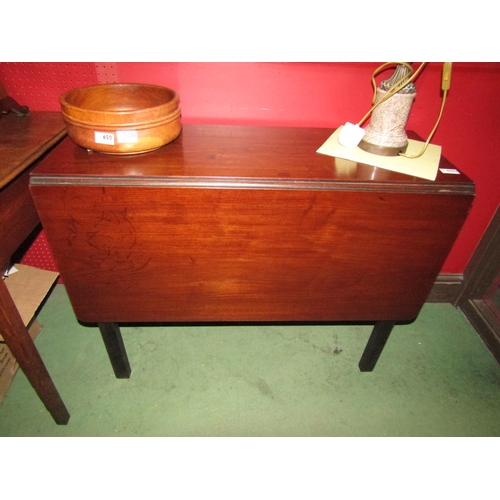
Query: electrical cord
point(445, 86)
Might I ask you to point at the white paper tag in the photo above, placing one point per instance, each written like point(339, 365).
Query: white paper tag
point(449, 171)
point(104, 138)
point(126, 136)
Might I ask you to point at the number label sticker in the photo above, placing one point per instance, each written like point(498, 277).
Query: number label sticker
point(126, 136)
point(104, 138)
point(449, 171)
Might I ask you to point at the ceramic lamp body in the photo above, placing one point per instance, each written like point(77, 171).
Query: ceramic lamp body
point(122, 118)
point(385, 135)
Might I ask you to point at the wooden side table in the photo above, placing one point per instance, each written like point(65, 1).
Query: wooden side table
point(244, 224)
point(23, 141)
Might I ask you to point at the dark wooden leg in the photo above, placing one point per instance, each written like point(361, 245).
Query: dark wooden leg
point(375, 345)
point(116, 349)
point(21, 345)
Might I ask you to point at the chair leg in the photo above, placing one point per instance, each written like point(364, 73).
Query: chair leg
point(23, 348)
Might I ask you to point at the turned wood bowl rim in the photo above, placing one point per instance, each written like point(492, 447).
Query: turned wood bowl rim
point(75, 112)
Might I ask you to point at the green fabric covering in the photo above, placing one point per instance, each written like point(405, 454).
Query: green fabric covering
point(434, 378)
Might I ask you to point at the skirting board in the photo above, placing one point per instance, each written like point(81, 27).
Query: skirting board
point(447, 288)
point(485, 323)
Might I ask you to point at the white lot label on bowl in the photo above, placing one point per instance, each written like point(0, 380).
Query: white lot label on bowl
point(126, 136)
point(104, 138)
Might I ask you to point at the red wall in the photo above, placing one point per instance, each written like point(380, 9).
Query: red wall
point(307, 94)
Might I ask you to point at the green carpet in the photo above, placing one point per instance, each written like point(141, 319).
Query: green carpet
point(434, 378)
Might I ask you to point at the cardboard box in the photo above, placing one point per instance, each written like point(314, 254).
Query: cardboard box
point(28, 287)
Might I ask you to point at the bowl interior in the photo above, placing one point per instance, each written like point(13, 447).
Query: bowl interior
point(119, 97)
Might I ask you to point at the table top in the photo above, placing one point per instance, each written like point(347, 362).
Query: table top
point(23, 139)
point(235, 156)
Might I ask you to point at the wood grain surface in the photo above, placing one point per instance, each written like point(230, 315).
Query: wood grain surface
point(244, 224)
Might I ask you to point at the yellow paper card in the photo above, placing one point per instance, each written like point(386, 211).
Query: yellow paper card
point(425, 167)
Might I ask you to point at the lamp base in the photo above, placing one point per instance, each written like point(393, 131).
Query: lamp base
point(382, 150)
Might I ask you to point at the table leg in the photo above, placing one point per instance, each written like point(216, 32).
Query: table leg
point(21, 345)
point(116, 349)
point(375, 345)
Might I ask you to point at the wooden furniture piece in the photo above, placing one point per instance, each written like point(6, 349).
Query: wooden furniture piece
point(244, 224)
point(23, 141)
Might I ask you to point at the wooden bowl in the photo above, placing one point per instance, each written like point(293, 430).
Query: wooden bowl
point(122, 118)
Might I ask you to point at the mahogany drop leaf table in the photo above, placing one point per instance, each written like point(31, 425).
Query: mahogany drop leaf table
point(244, 224)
